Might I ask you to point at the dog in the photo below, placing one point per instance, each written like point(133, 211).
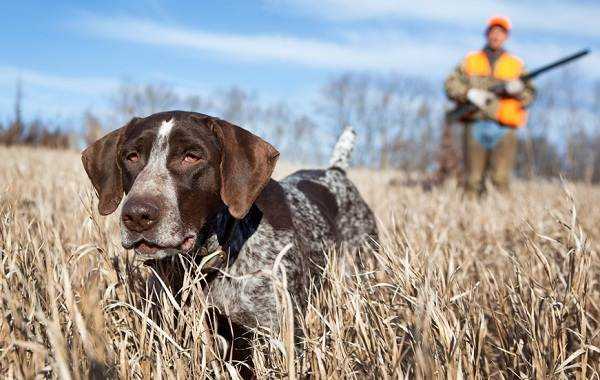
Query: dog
point(196, 184)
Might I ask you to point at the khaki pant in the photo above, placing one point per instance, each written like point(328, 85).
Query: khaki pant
point(497, 162)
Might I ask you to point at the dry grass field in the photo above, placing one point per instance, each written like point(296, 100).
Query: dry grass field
point(504, 287)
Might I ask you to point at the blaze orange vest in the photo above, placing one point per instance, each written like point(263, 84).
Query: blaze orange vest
point(507, 67)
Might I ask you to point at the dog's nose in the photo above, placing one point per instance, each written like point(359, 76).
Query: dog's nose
point(139, 215)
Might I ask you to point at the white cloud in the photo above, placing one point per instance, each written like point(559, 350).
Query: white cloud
point(427, 54)
point(568, 17)
point(87, 85)
point(315, 53)
point(401, 52)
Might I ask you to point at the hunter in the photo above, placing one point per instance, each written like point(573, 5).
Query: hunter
point(490, 140)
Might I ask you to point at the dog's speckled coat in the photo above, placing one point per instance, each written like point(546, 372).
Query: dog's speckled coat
point(196, 181)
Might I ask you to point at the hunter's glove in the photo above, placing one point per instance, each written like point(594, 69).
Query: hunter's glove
point(514, 87)
point(485, 100)
point(481, 98)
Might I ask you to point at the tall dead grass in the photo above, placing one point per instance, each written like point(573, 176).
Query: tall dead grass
point(504, 287)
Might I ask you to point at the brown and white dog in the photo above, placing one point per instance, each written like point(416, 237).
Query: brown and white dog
point(195, 183)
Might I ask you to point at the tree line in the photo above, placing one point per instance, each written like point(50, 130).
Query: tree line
point(34, 133)
point(398, 118)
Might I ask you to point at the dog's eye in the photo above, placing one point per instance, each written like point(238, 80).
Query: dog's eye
point(191, 158)
point(133, 157)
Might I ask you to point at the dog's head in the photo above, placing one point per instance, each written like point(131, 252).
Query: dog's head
point(177, 169)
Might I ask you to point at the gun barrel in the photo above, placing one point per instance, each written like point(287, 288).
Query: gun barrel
point(534, 73)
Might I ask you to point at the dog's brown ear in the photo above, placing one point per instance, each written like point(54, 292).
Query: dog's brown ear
point(247, 162)
point(100, 161)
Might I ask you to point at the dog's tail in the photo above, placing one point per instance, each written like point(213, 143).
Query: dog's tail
point(343, 149)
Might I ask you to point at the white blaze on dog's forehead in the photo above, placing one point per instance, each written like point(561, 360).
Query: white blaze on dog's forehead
point(165, 128)
point(160, 147)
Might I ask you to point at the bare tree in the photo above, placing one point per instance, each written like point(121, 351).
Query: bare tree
point(337, 104)
point(389, 112)
point(143, 100)
point(92, 128)
point(18, 103)
point(14, 133)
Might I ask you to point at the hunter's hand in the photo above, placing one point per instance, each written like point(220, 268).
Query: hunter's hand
point(481, 98)
point(514, 87)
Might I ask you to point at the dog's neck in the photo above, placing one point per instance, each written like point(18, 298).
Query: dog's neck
point(224, 235)
point(227, 234)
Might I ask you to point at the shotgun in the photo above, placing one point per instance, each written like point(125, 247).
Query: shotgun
point(465, 109)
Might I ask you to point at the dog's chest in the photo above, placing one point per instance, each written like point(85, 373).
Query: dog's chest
point(246, 289)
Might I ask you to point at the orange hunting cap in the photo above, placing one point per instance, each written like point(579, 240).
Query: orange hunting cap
point(500, 21)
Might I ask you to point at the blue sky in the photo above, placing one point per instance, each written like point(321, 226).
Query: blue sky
point(72, 55)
